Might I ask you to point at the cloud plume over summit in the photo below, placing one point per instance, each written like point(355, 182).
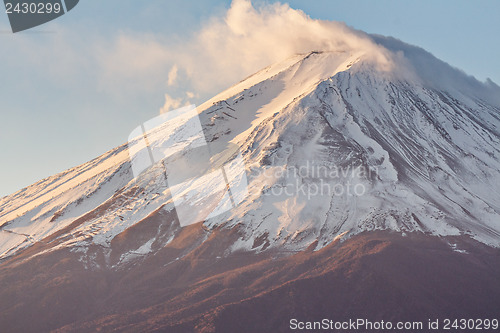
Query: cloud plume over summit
point(248, 38)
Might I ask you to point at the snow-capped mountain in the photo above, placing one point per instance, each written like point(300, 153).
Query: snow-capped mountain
point(370, 192)
point(334, 142)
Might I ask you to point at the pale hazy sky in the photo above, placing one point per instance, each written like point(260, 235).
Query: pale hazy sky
point(75, 87)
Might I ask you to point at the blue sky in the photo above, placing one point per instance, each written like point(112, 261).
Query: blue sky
point(75, 87)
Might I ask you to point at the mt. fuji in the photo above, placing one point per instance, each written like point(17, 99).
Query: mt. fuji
point(346, 153)
point(424, 154)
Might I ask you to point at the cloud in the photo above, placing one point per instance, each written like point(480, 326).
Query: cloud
point(229, 48)
point(132, 64)
point(172, 103)
point(172, 75)
point(247, 39)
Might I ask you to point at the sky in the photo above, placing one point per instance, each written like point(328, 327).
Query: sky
point(75, 87)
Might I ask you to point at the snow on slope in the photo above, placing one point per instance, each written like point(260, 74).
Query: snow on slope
point(424, 151)
point(51, 204)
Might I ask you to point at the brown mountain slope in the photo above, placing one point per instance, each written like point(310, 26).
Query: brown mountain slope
point(378, 276)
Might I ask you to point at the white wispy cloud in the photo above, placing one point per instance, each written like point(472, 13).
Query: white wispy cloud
point(246, 39)
point(172, 103)
point(226, 48)
point(172, 75)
